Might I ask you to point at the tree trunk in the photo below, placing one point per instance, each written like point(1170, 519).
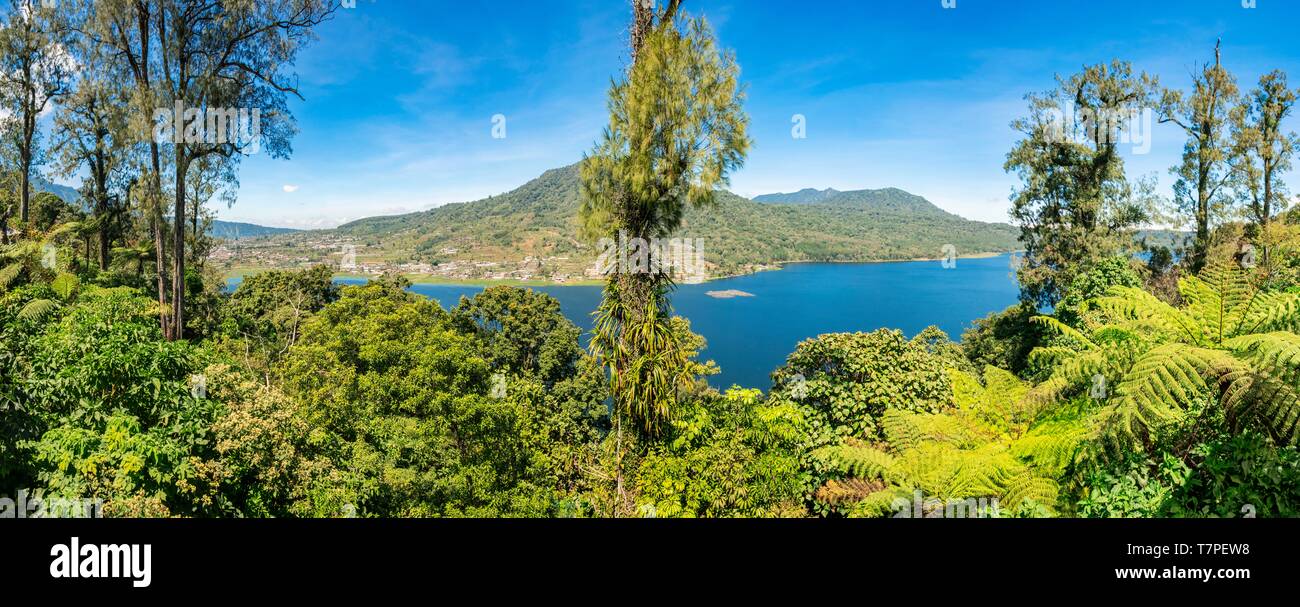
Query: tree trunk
point(634, 291)
point(103, 243)
point(178, 248)
point(161, 263)
point(620, 494)
point(140, 67)
point(25, 196)
point(25, 153)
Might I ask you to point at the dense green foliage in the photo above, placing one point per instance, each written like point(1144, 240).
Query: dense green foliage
point(1116, 389)
point(846, 382)
point(1075, 204)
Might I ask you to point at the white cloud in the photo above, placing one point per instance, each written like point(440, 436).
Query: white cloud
point(290, 188)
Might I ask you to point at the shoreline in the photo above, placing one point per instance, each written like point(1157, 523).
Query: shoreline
point(424, 279)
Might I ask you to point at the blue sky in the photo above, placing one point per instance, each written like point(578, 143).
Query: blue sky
point(401, 95)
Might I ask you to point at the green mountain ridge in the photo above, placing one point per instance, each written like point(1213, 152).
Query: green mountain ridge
point(226, 230)
point(234, 230)
point(892, 199)
point(804, 196)
point(539, 220)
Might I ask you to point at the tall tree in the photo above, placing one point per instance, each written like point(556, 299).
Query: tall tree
point(1262, 150)
point(125, 28)
point(1075, 205)
point(225, 72)
point(35, 68)
point(676, 130)
point(1201, 191)
point(88, 133)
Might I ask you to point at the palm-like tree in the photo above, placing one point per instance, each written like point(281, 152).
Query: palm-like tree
point(1231, 342)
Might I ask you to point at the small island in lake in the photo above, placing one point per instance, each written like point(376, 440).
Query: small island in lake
point(728, 294)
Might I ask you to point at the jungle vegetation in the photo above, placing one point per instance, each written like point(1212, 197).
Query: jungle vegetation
point(1118, 387)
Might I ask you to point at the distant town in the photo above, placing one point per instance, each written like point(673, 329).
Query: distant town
point(450, 264)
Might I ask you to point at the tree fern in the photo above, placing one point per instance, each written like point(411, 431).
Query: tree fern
point(9, 274)
point(960, 457)
point(907, 430)
point(38, 309)
point(856, 458)
point(65, 285)
point(1052, 445)
point(1230, 341)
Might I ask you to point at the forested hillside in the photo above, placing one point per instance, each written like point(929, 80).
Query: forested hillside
point(539, 220)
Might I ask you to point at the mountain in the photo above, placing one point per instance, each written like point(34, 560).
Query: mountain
point(535, 228)
point(805, 196)
point(888, 199)
point(233, 230)
point(226, 230)
point(68, 194)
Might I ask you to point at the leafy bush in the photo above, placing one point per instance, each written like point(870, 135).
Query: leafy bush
point(119, 420)
point(523, 332)
point(729, 455)
point(1096, 281)
point(406, 400)
point(849, 380)
point(1003, 339)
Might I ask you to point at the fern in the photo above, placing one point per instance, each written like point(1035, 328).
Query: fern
point(858, 459)
point(1053, 445)
point(1030, 488)
point(9, 274)
point(850, 490)
point(38, 309)
point(1230, 341)
point(907, 430)
point(65, 285)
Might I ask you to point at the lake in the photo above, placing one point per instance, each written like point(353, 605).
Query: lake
point(751, 336)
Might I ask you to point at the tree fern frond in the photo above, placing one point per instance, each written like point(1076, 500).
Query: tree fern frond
point(1219, 298)
point(1052, 324)
point(1272, 404)
point(880, 503)
point(1053, 445)
point(907, 430)
point(65, 284)
point(37, 309)
point(9, 274)
point(1136, 307)
point(57, 232)
point(1160, 387)
point(983, 472)
point(1029, 486)
point(1075, 372)
point(837, 492)
point(1272, 312)
point(967, 392)
point(1278, 353)
point(1004, 386)
point(858, 459)
point(1046, 356)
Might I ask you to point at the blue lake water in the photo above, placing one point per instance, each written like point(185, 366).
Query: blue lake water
point(751, 336)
